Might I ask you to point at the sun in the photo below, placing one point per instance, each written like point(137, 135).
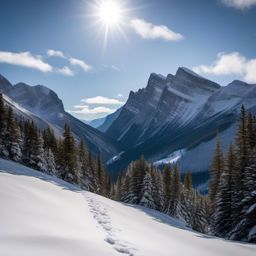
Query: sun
point(110, 16)
point(110, 13)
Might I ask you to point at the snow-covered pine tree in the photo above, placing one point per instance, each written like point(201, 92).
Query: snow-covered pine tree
point(185, 207)
point(245, 229)
point(222, 223)
point(50, 162)
point(147, 199)
point(242, 149)
point(13, 137)
point(216, 170)
point(3, 149)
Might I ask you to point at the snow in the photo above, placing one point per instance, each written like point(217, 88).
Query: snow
point(42, 215)
point(172, 158)
point(115, 158)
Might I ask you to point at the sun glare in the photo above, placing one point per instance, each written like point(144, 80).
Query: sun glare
point(110, 13)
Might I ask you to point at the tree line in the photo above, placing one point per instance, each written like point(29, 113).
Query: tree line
point(164, 191)
point(21, 141)
point(229, 209)
point(232, 190)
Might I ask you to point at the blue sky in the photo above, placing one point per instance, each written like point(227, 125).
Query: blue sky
point(60, 44)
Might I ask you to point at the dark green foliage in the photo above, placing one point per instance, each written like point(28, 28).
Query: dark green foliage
point(22, 141)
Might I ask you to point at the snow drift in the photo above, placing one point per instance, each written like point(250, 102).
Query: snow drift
point(42, 215)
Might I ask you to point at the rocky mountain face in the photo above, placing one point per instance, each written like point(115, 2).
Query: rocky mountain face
point(177, 118)
point(42, 105)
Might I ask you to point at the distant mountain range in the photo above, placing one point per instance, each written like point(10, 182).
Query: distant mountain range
point(42, 105)
point(174, 118)
point(177, 118)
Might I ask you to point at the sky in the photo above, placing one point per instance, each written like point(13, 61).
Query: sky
point(64, 45)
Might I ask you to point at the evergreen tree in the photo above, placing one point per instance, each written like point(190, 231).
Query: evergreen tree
point(13, 138)
point(245, 228)
point(69, 156)
point(50, 162)
point(147, 192)
point(101, 176)
point(138, 173)
point(166, 187)
point(216, 171)
point(188, 181)
point(223, 210)
point(175, 192)
point(242, 151)
point(3, 150)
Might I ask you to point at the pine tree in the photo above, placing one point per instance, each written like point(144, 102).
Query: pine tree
point(224, 209)
point(216, 171)
point(13, 138)
point(245, 228)
point(147, 192)
point(138, 173)
point(101, 176)
point(166, 187)
point(69, 156)
point(175, 192)
point(50, 162)
point(242, 152)
point(188, 181)
point(3, 150)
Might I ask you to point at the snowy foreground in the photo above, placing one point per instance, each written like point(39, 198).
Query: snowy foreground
point(41, 215)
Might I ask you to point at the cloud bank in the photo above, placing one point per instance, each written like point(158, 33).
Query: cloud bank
point(98, 100)
point(149, 31)
point(25, 59)
point(231, 64)
point(240, 4)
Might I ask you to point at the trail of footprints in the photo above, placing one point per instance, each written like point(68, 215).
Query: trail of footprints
point(100, 214)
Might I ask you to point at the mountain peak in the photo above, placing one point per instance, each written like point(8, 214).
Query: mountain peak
point(184, 70)
point(5, 85)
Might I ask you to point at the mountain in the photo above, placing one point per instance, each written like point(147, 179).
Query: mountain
point(109, 120)
point(95, 123)
point(177, 118)
point(43, 215)
point(43, 106)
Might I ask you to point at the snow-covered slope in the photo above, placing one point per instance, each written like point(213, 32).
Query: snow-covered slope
point(41, 215)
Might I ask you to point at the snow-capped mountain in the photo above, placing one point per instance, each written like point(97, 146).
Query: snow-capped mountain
point(181, 112)
point(42, 215)
point(43, 106)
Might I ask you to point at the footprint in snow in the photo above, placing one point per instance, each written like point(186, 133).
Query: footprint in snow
point(100, 214)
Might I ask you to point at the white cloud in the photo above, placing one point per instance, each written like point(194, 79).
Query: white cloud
point(231, 64)
point(148, 30)
point(65, 71)
point(240, 4)
point(25, 59)
point(76, 62)
point(98, 100)
point(54, 53)
point(85, 109)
